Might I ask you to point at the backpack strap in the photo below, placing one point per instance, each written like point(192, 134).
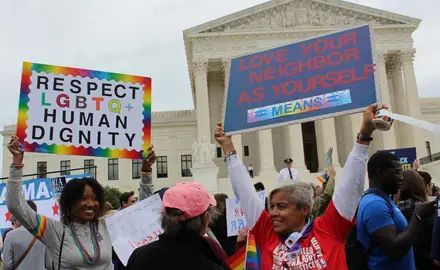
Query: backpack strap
point(25, 253)
point(387, 201)
point(61, 248)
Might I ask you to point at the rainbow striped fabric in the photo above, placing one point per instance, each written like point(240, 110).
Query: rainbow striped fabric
point(41, 226)
point(323, 178)
point(246, 258)
point(252, 254)
point(237, 261)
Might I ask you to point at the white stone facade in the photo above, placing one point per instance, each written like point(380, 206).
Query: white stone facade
point(277, 22)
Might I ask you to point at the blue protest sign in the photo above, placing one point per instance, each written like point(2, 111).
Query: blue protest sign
point(406, 156)
point(313, 79)
point(57, 184)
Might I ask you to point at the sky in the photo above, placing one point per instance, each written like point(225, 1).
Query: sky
point(145, 38)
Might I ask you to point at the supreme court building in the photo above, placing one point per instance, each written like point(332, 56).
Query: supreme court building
point(277, 22)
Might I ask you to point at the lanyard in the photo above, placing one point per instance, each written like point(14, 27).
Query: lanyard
point(292, 242)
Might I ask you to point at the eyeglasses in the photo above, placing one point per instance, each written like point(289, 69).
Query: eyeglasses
point(133, 201)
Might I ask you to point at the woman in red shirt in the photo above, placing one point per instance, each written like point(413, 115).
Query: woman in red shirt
point(287, 236)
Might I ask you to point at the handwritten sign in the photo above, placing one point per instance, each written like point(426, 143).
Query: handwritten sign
point(84, 112)
point(135, 226)
point(235, 216)
point(406, 156)
point(314, 79)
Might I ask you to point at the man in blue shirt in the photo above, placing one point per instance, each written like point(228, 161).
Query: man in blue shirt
point(381, 228)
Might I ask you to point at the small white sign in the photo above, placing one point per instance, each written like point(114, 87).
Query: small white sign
point(235, 219)
point(135, 226)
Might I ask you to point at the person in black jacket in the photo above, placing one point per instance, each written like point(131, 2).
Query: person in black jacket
point(187, 213)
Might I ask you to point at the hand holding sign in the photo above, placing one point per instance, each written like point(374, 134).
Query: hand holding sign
point(148, 162)
point(416, 164)
point(15, 149)
point(223, 140)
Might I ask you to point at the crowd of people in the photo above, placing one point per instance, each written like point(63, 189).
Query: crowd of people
point(392, 225)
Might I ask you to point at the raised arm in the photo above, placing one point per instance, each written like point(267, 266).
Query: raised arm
point(45, 229)
point(349, 189)
point(240, 180)
point(146, 187)
point(322, 201)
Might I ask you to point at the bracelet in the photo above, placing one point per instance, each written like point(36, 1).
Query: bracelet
point(417, 216)
point(17, 165)
point(230, 154)
point(147, 172)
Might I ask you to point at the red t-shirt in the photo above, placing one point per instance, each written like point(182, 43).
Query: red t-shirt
point(322, 248)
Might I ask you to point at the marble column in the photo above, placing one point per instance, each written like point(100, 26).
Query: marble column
point(412, 99)
point(238, 144)
point(404, 130)
point(203, 173)
point(200, 70)
point(384, 140)
point(265, 146)
point(296, 147)
point(326, 137)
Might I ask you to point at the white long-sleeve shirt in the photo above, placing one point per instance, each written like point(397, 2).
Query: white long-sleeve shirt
point(284, 176)
point(348, 190)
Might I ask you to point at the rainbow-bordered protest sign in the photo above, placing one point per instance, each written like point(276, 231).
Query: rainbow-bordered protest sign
point(72, 111)
point(318, 78)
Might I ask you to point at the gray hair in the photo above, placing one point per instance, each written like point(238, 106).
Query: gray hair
point(300, 194)
point(172, 225)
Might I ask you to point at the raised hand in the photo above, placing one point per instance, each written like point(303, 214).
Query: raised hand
point(15, 149)
point(367, 123)
point(220, 136)
point(224, 141)
point(416, 164)
point(331, 171)
point(148, 162)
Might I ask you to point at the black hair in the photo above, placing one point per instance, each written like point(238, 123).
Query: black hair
point(380, 160)
point(426, 177)
point(124, 197)
point(32, 205)
point(73, 192)
point(259, 186)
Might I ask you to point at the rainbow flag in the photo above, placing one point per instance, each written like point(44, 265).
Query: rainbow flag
point(237, 261)
point(252, 254)
point(247, 257)
point(323, 178)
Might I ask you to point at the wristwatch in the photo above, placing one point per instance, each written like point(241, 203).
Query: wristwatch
point(364, 137)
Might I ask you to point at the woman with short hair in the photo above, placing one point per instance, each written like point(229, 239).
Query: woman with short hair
point(187, 211)
point(287, 236)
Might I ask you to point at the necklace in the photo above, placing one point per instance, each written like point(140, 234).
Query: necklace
point(96, 250)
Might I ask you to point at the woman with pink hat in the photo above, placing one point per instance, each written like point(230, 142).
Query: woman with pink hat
point(187, 211)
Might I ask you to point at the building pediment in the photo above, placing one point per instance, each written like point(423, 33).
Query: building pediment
point(293, 14)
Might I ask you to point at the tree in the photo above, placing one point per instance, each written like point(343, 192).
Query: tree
point(111, 195)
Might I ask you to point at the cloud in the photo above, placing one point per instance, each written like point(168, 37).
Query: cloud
point(145, 38)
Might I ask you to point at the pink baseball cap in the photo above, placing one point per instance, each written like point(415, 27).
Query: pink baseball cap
point(189, 197)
